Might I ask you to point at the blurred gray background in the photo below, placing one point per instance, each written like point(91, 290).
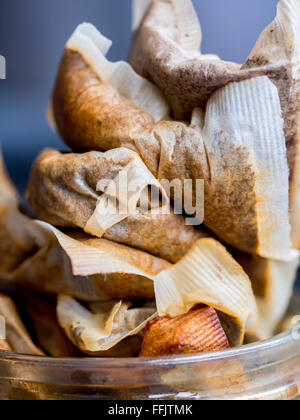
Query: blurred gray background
point(32, 38)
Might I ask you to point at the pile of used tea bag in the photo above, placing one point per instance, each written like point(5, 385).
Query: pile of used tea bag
point(151, 280)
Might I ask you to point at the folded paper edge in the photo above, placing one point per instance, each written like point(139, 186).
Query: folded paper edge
point(259, 92)
point(107, 213)
point(98, 347)
point(175, 296)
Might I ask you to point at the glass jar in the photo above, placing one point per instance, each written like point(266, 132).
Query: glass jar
point(268, 370)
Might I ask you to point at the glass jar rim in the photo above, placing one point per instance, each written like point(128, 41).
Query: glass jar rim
point(281, 353)
point(276, 345)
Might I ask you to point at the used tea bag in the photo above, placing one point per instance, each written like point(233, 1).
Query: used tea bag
point(239, 154)
point(17, 336)
point(70, 190)
point(82, 64)
point(85, 267)
point(166, 50)
point(273, 283)
point(277, 54)
point(247, 201)
point(105, 327)
point(14, 242)
point(198, 331)
point(48, 333)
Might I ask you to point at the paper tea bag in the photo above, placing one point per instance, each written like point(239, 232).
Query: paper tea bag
point(88, 191)
point(48, 333)
point(277, 54)
point(198, 331)
point(83, 62)
point(17, 336)
point(247, 202)
point(166, 50)
point(85, 267)
point(273, 284)
point(101, 330)
point(14, 241)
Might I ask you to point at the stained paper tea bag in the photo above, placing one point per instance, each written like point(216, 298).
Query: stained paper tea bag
point(14, 241)
point(247, 201)
point(99, 331)
point(82, 64)
point(244, 204)
point(65, 190)
point(273, 284)
point(17, 337)
point(166, 50)
point(277, 54)
point(85, 267)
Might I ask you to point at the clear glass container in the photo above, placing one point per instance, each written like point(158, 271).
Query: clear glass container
point(268, 370)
